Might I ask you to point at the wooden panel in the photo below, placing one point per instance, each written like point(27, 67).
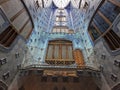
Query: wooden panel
point(56, 53)
point(110, 44)
point(67, 51)
point(78, 56)
point(70, 54)
point(53, 50)
point(60, 51)
point(50, 49)
point(63, 51)
point(112, 39)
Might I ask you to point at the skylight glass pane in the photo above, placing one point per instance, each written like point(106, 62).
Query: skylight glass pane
point(61, 3)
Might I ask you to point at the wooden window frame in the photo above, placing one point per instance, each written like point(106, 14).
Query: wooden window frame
point(7, 32)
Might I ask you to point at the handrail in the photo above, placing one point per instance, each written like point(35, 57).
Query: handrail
point(46, 66)
point(30, 62)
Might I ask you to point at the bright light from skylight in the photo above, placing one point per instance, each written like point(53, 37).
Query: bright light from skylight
point(61, 3)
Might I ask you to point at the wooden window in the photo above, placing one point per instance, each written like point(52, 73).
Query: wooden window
point(7, 32)
point(62, 29)
point(8, 36)
point(59, 52)
point(94, 32)
point(102, 23)
point(78, 56)
point(112, 39)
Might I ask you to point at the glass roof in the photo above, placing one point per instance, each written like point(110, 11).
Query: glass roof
point(60, 3)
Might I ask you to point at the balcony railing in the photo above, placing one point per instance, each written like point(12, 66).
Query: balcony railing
point(30, 62)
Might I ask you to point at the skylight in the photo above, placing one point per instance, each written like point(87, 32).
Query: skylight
point(61, 3)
